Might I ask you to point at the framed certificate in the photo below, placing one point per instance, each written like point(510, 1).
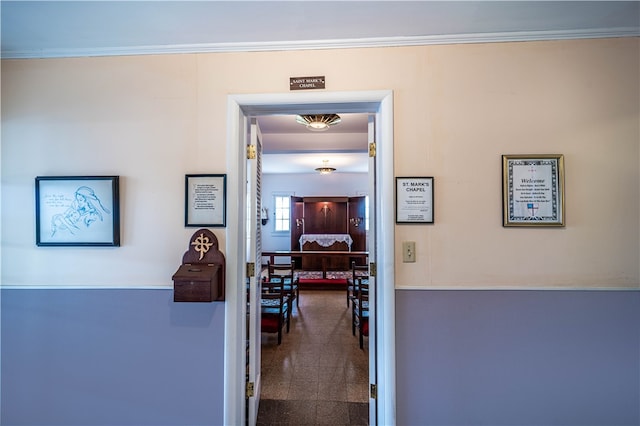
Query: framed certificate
point(414, 200)
point(205, 200)
point(533, 190)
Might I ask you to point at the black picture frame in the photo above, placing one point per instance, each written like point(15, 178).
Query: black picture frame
point(414, 199)
point(77, 211)
point(205, 200)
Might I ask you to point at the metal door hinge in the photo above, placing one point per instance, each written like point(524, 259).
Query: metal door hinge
point(372, 149)
point(250, 391)
point(251, 269)
point(374, 390)
point(251, 152)
point(373, 270)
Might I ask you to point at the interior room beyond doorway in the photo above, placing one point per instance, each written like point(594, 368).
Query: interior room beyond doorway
point(318, 369)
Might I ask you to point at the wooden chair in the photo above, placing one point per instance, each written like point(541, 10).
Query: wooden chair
point(275, 309)
point(284, 273)
point(357, 271)
point(360, 309)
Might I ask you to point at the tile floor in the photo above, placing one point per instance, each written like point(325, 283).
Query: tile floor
point(318, 374)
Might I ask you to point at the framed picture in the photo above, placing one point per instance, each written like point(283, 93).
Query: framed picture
point(77, 211)
point(414, 199)
point(205, 200)
point(533, 190)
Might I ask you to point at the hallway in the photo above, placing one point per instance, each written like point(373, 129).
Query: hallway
point(319, 374)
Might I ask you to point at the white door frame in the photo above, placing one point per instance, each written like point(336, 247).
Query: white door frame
point(239, 108)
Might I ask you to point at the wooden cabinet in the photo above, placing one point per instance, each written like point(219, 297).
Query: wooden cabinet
point(325, 215)
point(198, 283)
point(200, 277)
point(328, 215)
point(357, 216)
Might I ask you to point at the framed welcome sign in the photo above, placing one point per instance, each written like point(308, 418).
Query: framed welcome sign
point(533, 190)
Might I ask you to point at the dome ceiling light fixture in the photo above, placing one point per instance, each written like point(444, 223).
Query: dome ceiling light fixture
point(325, 169)
point(318, 122)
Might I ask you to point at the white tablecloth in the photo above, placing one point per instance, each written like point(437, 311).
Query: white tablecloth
point(326, 240)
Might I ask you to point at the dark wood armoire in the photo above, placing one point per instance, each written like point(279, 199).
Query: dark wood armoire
point(328, 216)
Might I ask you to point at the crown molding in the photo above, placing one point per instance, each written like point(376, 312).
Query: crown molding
point(501, 37)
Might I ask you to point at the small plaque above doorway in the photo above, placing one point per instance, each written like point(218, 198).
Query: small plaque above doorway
point(306, 83)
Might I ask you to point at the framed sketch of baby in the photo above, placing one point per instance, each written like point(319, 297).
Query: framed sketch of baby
point(205, 200)
point(533, 190)
point(77, 211)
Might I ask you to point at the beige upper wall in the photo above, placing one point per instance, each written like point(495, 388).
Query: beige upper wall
point(457, 109)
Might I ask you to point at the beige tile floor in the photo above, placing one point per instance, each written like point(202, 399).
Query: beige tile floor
point(318, 371)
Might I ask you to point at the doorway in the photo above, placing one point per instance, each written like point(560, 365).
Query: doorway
point(240, 109)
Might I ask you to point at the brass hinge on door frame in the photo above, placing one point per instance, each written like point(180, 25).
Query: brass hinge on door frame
point(251, 152)
point(373, 270)
point(372, 149)
point(373, 391)
point(250, 390)
point(251, 269)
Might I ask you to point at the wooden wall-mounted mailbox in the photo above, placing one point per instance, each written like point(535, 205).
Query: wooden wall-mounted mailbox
point(200, 278)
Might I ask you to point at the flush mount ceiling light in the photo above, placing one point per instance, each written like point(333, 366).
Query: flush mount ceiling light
point(325, 169)
point(318, 122)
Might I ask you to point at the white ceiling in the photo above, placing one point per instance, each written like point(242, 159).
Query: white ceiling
point(344, 145)
point(44, 29)
point(89, 28)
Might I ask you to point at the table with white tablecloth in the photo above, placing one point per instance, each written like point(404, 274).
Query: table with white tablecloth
point(325, 242)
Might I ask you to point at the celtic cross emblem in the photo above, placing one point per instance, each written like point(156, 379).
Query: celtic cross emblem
point(202, 245)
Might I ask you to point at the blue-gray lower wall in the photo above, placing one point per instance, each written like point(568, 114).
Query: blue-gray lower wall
point(133, 357)
point(518, 358)
point(110, 357)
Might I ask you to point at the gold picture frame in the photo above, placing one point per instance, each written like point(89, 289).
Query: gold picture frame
point(533, 190)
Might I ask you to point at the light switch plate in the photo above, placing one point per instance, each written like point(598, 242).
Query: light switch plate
point(408, 251)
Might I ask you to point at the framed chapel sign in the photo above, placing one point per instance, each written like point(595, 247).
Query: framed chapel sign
point(414, 200)
point(533, 190)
